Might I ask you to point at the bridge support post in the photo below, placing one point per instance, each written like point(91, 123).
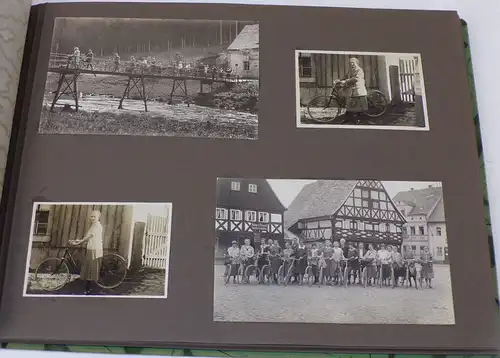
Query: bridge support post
point(67, 84)
point(181, 85)
point(138, 83)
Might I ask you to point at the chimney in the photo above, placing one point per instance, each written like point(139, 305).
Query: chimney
point(411, 189)
point(430, 185)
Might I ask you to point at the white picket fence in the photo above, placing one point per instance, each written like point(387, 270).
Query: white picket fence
point(156, 242)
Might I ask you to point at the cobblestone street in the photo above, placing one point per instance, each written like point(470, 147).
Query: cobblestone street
point(327, 304)
point(143, 283)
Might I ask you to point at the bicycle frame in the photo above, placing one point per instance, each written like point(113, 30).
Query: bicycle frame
point(68, 259)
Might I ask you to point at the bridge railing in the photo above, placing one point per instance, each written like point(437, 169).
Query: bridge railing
point(110, 65)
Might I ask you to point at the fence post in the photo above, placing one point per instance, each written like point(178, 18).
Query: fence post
point(395, 85)
point(137, 246)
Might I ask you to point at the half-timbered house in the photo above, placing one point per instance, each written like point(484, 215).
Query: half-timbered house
point(392, 74)
point(426, 225)
point(244, 52)
point(246, 209)
point(355, 210)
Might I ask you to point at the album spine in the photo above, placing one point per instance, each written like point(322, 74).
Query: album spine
point(17, 137)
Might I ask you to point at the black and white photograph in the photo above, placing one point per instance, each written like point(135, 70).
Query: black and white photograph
point(360, 90)
point(99, 249)
point(331, 251)
point(153, 77)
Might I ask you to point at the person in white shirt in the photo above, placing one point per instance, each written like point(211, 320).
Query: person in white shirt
point(384, 257)
point(247, 253)
point(94, 240)
point(233, 254)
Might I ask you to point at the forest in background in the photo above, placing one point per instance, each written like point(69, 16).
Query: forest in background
point(128, 36)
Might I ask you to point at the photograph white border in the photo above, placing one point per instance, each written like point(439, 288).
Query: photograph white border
point(28, 259)
point(350, 126)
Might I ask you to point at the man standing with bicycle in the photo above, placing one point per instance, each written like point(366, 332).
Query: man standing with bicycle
point(247, 254)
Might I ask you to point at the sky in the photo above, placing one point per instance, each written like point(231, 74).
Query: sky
point(142, 210)
point(287, 190)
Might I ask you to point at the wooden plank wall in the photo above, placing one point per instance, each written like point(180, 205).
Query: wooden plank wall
point(329, 67)
point(70, 222)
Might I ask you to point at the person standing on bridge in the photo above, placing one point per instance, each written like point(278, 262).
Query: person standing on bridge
point(89, 59)
point(76, 57)
point(116, 60)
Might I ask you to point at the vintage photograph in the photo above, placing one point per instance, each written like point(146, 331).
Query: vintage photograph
point(331, 251)
point(360, 90)
point(187, 78)
point(99, 249)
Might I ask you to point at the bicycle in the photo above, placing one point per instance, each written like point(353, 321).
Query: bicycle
point(232, 261)
point(335, 105)
point(265, 271)
point(248, 271)
point(113, 270)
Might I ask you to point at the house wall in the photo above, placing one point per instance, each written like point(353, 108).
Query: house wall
point(236, 62)
point(418, 240)
point(438, 243)
point(71, 222)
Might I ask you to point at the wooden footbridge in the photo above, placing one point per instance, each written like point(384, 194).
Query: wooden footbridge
point(71, 72)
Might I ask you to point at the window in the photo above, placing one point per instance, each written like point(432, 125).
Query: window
point(357, 202)
point(361, 225)
point(365, 203)
point(354, 225)
point(357, 193)
point(383, 205)
point(421, 230)
point(305, 65)
point(365, 193)
point(440, 251)
point(42, 222)
point(376, 227)
point(390, 228)
point(374, 195)
point(235, 185)
point(252, 188)
point(368, 226)
point(382, 228)
point(413, 247)
point(412, 230)
point(375, 204)
point(250, 216)
point(221, 214)
point(438, 231)
point(382, 195)
point(236, 215)
point(263, 217)
point(276, 218)
point(246, 65)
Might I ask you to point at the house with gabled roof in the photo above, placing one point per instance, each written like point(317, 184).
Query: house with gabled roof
point(246, 209)
point(243, 53)
point(426, 224)
point(355, 210)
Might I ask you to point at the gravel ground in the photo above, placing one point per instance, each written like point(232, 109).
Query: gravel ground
point(331, 304)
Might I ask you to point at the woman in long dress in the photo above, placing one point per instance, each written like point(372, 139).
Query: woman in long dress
point(329, 270)
point(427, 271)
point(275, 259)
point(93, 253)
point(301, 263)
point(355, 82)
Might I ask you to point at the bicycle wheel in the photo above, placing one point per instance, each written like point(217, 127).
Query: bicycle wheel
point(346, 276)
point(377, 104)
point(112, 272)
point(227, 274)
point(324, 109)
point(265, 274)
point(281, 274)
point(309, 276)
point(52, 274)
point(251, 271)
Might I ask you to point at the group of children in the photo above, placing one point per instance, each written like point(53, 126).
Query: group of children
point(331, 259)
